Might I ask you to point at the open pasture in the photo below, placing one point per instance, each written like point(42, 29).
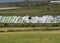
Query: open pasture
point(31, 34)
point(30, 37)
point(50, 9)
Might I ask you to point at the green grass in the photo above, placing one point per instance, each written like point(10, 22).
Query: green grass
point(49, 9)
point(30, 37)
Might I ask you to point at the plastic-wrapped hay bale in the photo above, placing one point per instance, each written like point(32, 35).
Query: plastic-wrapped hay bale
point(58, 19)
point(39, 20)
point(17, 18)
point(49, 19)
point(7, 19)
point(3, 19)
point(33, 19)
point(0, 18)
point(43, 19)
point(11, 19)
point(20, 20)
point(54, 20)
point(26, 19)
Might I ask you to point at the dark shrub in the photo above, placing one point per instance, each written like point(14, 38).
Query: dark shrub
point(56, 4)
point(48, 8)
point(5, 25)
point(36, 5)
point(49, 29)
point(18, 30)
point(1, 26)
point(28, 30)
point(22, 25)
point(25, 25)
point(10, 30)
point(2, 31)
point(55, 25)
point(35, 29)
point(33, 26)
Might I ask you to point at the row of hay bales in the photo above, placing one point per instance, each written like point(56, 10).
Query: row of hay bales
point(28, 19)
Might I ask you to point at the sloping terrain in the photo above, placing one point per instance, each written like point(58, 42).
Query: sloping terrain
point(50, 9)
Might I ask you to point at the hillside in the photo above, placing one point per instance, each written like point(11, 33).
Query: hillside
point(23, 4)
point(50, 9)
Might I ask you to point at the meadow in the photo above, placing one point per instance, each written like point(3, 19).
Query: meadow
point(30, 37)
point(31, 33)
point(50, 9)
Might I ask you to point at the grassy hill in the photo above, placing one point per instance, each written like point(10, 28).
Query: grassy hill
point(50, 9)
point(22, 4)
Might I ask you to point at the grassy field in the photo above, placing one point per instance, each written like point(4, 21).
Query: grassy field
point(31, 34)
point(30, 37)
point(50, 9)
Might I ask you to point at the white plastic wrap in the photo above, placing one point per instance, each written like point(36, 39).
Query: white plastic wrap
point(25, 19)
